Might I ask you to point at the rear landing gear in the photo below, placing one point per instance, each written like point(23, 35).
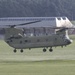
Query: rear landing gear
point(51, 50)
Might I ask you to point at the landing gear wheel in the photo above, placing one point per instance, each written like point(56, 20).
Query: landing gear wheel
point(51, 50)
point(44, 50)
point(15, 50)
point(21, 50)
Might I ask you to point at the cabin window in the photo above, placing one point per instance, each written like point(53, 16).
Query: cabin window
point(55, 39)
point(26, 40)
point(10, 40)
point(7, 41)
point(20, 42)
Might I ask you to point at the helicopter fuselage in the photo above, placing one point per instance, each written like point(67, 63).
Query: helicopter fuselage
point(18, 40)
point(52, 40)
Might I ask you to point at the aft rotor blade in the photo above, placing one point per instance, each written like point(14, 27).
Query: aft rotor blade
point(73, 27)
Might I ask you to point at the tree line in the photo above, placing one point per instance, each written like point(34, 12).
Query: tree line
point(37, 8)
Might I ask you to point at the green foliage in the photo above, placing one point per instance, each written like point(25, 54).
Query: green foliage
point(28, 8)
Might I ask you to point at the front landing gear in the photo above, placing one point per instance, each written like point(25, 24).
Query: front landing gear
point(16, 50)
point(21, 50)
point(51, 50)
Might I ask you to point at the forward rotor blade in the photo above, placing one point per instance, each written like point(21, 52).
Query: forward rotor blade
point(28, 23)
point(12, 26)
point(24, 24)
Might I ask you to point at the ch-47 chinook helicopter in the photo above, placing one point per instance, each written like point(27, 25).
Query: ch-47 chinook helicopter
point(16, 38)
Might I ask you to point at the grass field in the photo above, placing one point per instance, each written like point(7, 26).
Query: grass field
point(53, 67)
point(34, 62)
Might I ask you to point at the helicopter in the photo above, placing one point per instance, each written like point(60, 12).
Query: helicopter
point(18, 38)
